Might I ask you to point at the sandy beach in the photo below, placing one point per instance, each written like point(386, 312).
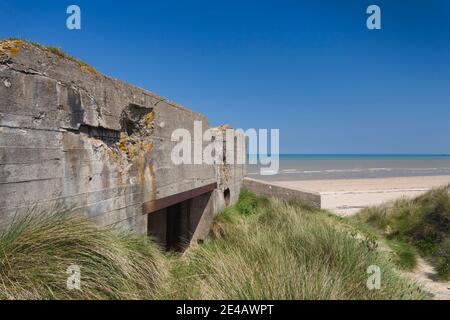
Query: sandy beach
point(348, 196)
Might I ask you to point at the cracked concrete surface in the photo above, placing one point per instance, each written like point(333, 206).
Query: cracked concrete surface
point(72, 137)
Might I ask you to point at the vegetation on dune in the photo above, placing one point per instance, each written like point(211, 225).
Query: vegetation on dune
point(421, 225)
point(262, 249)
point(37, 250)
point(258, 249)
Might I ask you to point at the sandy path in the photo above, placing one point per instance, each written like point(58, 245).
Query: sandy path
point(424, 275)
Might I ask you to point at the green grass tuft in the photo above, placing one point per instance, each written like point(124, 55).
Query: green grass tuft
point(249, 202)
point(37, 249)
point(420, 225)
point(258, 249)
point(264, 249)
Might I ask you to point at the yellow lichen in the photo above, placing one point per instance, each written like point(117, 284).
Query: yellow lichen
point(152, 176)
point(123, 143)
point(14, 51)
point(11, 47)
point(149, 119)
point(87, 69)
point(18, 43)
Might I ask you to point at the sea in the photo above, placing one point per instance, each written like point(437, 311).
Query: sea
point(352, 166)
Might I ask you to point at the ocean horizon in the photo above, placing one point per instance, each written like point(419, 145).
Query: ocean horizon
point(354, 166)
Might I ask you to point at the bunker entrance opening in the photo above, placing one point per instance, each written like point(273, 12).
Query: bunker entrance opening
point(173, 221)
point(227, 197)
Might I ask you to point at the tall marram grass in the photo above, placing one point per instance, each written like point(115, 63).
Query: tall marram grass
point(37, 249)
point(258, 249)
point(421, 224)
point(276, 250)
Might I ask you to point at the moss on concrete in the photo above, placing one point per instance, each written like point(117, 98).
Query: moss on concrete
point(12, 46)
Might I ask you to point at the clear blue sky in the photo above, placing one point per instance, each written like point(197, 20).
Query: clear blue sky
point(310, 68)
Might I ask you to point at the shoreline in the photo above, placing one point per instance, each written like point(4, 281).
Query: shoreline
point(346, 197)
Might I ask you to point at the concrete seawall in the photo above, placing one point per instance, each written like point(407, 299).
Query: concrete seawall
point(271, 190)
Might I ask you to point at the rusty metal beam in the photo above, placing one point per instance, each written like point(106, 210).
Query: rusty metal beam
point(158, 204)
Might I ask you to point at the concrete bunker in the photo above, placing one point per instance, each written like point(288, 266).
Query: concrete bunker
point(173, 221)
point(75, 138)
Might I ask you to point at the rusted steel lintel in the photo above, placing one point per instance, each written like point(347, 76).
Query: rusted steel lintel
point(155, 205)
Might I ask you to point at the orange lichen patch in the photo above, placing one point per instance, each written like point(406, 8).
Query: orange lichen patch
point(11, 47)
point(148, 147)
point(18, 43)
point(123, 143)
point(134, 145)
point(87, 69)
point(14, 51)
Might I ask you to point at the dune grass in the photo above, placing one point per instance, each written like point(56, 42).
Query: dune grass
point(417, 226)
point(37, 250)
point(261, 249)
point(258, 249)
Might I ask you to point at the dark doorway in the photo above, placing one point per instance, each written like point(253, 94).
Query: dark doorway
point(169, 227)
point(174, 221)
point(173, 227)
point(227, 197)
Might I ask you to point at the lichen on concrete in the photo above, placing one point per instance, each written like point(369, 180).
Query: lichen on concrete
point(93, 143)
point(10, 47)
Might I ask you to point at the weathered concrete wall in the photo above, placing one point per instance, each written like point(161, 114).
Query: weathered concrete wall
point(72, 137)
point(270, 190)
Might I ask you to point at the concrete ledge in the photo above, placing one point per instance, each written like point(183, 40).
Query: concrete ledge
point(267, 189)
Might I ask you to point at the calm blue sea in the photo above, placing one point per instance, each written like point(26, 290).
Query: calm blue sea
point(314, 167)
